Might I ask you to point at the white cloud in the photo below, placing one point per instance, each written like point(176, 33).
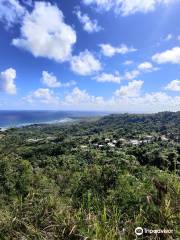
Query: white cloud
point(173, 85)
point(77, 96)
point(128, 62)
point(68, 84)
point(154, 102)
point(11, 12)
point(149, 102)
point(146, 66)
point(44, 95)
point(131, 7)
point(131, 90)
point(158, 101)
point(142, 68)
point(45, 34)
point(153, 98)
point(85, 64)
point(103, 4)
point(28, 2)
point(168, 56)
point(107, 77)
point(128, 7)
point(168, 37)
point(7, 79)
point(76, 99)
point(109, 51)
point(128, 99)
point(89, 25)
point(81, 99)
point(51, 81)
point(130, 75)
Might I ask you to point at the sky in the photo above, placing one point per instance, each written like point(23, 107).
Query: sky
point(99, 55)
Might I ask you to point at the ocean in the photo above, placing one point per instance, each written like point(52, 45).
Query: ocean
point(22, 118)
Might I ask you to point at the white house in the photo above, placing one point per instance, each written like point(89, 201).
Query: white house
point(111, 145)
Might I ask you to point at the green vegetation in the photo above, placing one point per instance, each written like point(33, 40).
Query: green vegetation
point(95, 180)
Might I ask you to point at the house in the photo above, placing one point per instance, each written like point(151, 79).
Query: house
point(123, 140)
point(134, 142)
point(148, 137)
point(146, 141)
point(95, 144)
point(83, 146)
point(107, 140)
point(164, 138)
point(111, 145)
point(32, 140)
point(100, 145)
point(51, 138)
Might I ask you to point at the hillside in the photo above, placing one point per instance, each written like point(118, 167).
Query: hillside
point(91, 179)
point(165, 122)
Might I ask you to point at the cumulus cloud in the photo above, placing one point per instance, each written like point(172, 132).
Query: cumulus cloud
point(154, 102)
point(28, 2)
point(7, 79)
point(75, 99)
point(85, 64)
point(158, 101)
point(45, 34)
point(131, 90)
point(51, 81)
point(108, 77)
point(173, 85)
point(146, 66)
point(168, 56)
point(130, 75)
point(89, 25)
point(103, 4)
point(128, 62)
point(77, 96)
point(68, 84)
point(81, 99)
point(168, 37)
point(148, 102)
point(128, 99)
point(11, 12)
point(134, 102)
point(128, 7)
point(44, 95)
point(109, 51)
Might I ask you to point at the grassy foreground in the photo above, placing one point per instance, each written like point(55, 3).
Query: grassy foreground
point(68, 182)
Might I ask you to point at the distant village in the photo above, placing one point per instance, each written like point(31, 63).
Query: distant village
point(113, 143)
point(101, 142)
point(110, 143)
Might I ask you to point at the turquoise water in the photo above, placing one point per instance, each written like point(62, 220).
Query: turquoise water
point(20, 118)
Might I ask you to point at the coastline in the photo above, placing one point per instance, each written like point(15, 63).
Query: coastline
point(20, 125)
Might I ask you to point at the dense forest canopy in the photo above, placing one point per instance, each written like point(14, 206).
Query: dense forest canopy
point(95, 178)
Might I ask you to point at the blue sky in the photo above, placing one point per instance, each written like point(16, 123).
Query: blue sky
point(104, 55)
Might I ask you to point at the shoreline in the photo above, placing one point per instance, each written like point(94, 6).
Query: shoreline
point(21, 125)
